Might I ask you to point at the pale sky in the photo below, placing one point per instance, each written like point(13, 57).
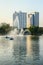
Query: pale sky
point(8, 7)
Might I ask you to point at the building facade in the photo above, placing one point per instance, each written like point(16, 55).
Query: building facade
point(20, 20)
point(33, 19)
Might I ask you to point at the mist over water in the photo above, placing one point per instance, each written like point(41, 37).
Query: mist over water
point(16, 32)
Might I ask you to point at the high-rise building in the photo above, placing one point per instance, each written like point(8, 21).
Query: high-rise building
point(20, 20)
point(33, 19)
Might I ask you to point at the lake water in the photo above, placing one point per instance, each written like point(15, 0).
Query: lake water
point(23, 50)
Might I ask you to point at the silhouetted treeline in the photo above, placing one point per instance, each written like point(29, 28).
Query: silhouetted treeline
point(36, 30)
point(4, 28)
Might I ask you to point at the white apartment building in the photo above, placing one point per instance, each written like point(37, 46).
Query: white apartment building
point(20, 20)
point(33, 19)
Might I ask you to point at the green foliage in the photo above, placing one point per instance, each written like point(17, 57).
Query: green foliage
point(4, 28)
point(36, 30)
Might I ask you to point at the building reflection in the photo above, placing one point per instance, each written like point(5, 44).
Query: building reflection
point(19, 48)
point(28, 45)
point(29, 50)
point(33, 49)
point(26, 50)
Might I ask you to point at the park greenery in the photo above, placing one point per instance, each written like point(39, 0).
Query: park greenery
point(4, 28)
point(36, 30)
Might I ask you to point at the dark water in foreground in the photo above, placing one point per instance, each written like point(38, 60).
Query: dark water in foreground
point(23, 50)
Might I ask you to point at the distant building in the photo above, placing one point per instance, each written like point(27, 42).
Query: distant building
point(33, 19)
point(20, 20)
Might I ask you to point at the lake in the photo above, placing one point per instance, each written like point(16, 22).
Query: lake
point(22, 50)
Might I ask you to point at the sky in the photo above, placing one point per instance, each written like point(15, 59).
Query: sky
point(8, 7)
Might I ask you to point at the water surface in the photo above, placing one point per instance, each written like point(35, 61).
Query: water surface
point(23, 50)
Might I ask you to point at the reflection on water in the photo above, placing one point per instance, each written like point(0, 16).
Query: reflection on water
point(25, 50)
point(19, 48)
point(33, 50)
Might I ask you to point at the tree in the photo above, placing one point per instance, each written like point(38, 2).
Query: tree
point(4, 28)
